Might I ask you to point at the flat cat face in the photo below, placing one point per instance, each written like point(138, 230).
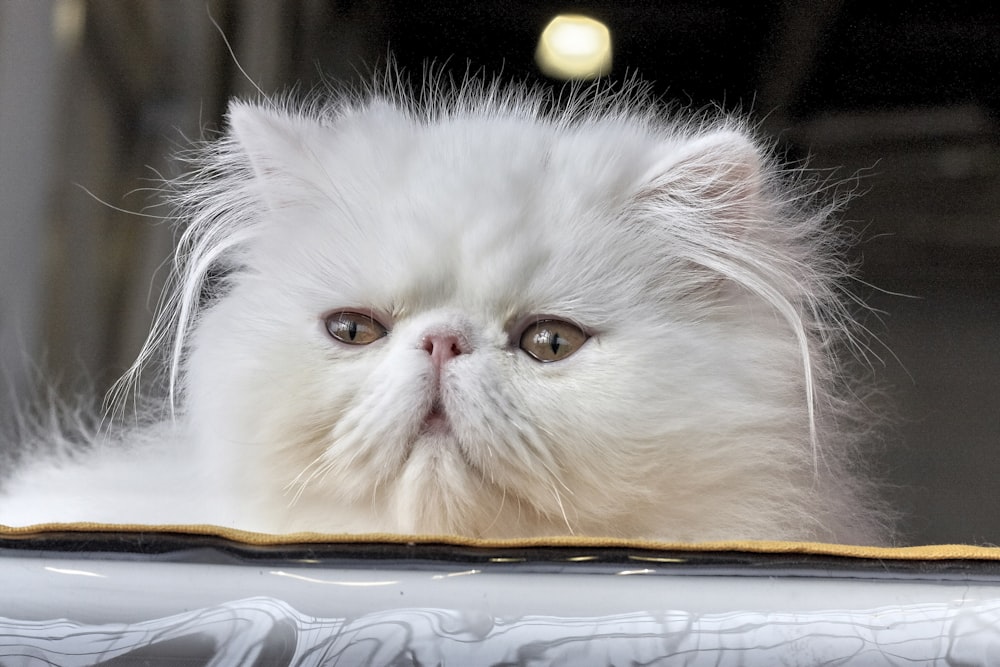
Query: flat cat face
point(488, 326)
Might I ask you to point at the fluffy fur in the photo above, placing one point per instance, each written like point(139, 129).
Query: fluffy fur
point(707, 403)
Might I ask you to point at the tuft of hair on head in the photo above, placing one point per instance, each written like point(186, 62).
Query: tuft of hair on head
point(218, 211)
point(802, 279)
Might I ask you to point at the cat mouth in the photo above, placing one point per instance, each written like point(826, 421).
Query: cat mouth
point(436, 420)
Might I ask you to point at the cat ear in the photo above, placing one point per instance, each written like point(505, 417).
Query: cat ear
point(278, 145)
point(720, 173)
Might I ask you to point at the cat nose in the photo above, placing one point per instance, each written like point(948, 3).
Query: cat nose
point(444, 346)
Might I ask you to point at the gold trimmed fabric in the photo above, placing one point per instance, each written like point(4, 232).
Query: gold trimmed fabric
point(933, 552)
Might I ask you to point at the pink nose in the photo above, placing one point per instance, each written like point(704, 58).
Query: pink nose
point(444, 346)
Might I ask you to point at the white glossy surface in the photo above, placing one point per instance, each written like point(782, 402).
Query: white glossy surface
point(79, 611)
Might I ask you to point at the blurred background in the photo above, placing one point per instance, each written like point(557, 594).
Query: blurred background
point(95, 95)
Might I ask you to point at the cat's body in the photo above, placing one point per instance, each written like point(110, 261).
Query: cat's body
point(475, 317)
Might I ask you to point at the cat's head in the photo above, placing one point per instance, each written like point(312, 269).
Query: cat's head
point(486, 320)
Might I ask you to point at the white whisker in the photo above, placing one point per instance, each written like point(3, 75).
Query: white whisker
point(562, 511)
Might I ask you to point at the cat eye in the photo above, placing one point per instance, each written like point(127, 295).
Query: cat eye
point(552, 340)
point(354, 328)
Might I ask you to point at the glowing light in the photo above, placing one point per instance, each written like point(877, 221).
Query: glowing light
point(574, 47)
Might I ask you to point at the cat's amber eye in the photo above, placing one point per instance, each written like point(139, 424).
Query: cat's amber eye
point(354, 328)
point(552, 340)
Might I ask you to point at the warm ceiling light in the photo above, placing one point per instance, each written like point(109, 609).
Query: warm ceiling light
point(574, 47)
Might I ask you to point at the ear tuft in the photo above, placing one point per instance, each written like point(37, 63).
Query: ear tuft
point(720, 172)
point(269, 138)
point(283, 150)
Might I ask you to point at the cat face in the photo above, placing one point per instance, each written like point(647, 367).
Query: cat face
point(471, 327)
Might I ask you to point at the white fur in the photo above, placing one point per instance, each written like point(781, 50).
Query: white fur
point(707, 404)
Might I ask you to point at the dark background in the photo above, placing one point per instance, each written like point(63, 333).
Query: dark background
point(899, 100)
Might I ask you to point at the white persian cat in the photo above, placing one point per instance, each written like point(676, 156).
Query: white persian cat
point(481, 311)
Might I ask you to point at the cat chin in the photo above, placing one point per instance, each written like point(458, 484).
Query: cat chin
point(437, 491)
point(432, 483)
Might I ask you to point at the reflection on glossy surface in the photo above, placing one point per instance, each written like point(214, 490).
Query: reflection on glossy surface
point(121, 599)
point(80, 573)
point(267, 631)
point(330, 582)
